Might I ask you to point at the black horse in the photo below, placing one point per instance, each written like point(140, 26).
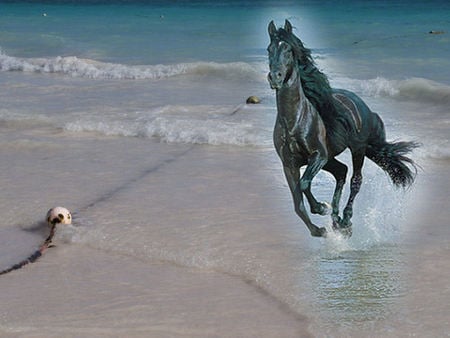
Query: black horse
point(315, 123)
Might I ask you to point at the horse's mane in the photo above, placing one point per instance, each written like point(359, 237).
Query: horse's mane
point(315, 83)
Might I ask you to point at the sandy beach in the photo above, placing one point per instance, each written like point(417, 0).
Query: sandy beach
point(199, 241)
point(103, 279)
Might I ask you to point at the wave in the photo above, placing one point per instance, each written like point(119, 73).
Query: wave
point(415, 89)
point(211, 125)
point(180, 124)
point(175, 131)
point(86, 68)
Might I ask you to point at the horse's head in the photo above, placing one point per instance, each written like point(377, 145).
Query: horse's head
point(281, 55)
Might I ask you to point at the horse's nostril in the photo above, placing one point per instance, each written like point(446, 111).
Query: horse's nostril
point(279, 75)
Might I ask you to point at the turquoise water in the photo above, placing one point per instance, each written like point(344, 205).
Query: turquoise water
point(377, 38)
point(130, 33)
point(214, 53)
point(382, 38)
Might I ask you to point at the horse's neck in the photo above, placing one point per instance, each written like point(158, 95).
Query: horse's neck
point(294, 108)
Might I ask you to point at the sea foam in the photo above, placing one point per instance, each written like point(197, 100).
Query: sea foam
point(180, 124)
point(86, 68)
point(416, 89)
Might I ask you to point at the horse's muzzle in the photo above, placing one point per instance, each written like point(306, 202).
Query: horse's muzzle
point(274, 84)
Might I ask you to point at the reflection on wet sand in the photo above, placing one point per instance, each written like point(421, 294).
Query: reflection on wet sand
point(359, 285)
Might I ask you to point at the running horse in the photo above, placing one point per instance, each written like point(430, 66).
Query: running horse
point(315, 123)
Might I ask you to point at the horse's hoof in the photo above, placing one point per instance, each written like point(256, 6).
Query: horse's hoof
point(337, 221)
point(319, 232)
point(342, 227)
point(322, 209)
point(346, 231)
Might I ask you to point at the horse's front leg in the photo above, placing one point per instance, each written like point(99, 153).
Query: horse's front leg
point(293, 179)
point(315, 163)
point(320, 208)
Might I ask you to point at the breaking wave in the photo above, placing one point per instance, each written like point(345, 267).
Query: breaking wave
point(176, 131)
point(416, 89)
point(180, 124)
point(85, 68)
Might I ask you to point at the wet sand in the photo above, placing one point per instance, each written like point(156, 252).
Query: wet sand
point(99, 280)
point(202, 241)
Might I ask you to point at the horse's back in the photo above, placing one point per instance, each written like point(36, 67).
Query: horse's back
point(362, 117)
point(361, 107)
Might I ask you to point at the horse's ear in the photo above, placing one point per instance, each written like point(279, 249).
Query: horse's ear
point(272, 29)
point(287, 26)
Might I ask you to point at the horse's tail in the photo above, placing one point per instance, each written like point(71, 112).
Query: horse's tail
point(391, 156)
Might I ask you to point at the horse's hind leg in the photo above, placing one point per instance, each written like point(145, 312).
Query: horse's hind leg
point(358, 161)
point(339, 171)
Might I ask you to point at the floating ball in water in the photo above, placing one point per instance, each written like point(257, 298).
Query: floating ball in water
point(59, 215)
point(253, 100)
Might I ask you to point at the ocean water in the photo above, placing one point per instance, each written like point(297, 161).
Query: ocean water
point(112, 92)
point(177, 50)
